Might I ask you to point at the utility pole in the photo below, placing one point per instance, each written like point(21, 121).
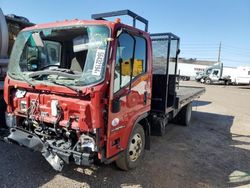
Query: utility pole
point(219, 53)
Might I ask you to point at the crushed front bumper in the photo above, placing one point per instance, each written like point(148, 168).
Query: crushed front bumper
point(55, 156)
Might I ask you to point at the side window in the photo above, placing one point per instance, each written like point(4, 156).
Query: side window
point(129, 63)
point(124, 55)
point(140, 61)
point(248, 72)
point(215, 72)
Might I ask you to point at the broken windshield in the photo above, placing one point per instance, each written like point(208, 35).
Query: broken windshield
point(70, 55)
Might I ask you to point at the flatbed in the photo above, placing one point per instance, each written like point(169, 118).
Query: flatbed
point(185, 94)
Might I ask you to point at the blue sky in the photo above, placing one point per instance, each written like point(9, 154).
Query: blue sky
point(201, 24)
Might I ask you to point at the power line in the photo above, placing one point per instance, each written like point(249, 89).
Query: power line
point(235, 60)
point(203, 58)
point(204, 48)
point(238, 48)
point(203, 51)
point(204, 45)
point(199, 44)
point(235, 52)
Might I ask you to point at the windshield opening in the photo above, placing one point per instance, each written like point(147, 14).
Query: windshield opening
point(67, 55)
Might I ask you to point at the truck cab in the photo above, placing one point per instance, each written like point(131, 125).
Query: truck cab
point(84, 91)
point(215, 74)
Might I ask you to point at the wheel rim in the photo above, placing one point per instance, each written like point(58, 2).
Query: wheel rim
point(208, 81)
point(135, 147)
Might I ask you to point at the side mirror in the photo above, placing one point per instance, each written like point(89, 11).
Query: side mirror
point(116, 105)
point(178, 51)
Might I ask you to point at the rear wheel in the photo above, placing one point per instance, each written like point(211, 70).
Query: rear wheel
point(132, 156)
point(184, 116)
point(158, 126)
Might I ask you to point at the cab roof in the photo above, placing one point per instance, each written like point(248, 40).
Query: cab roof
point(76, 22)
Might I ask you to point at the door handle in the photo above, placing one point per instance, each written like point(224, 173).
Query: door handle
point(145, 97)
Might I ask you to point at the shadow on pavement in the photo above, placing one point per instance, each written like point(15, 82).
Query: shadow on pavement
point(226, 159)
point(197, 103)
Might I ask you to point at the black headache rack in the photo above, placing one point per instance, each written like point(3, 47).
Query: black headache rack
point(165, 54)
point(163, 36)
point(135, 17)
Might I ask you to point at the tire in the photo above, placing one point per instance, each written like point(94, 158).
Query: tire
point(158, 127)
point(132, 156)
point(2, 112)
point(184, 116)
point(208, 81)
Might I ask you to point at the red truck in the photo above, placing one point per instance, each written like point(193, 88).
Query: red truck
point(85, 91)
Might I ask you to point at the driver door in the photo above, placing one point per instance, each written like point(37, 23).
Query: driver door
point(130, 90)
point(215, 75)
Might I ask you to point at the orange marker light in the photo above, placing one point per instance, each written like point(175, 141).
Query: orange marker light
point(117, 20)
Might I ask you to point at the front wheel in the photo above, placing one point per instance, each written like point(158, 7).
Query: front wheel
point(208, 81)
point(132, 156)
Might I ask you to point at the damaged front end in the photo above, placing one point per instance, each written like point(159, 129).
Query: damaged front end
point(56, 151)
point(61, 136)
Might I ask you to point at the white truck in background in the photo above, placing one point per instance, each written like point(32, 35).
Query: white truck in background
point(226, 75)
point(241, 75)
